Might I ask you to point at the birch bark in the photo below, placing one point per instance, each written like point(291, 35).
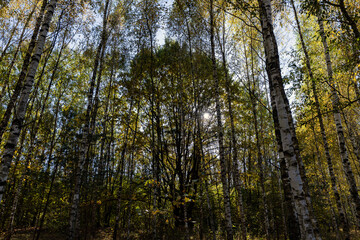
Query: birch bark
point(333, 178)
point(24, 71)
point(339, 127)
point(18, 120)
point(11, 65)
point(283, 117)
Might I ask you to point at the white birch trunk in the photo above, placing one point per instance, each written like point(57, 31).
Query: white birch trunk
point(6, 77)
point(339, 127)
point(24, 70)
point(322, 127)
point(18, 120)
point(284, 118)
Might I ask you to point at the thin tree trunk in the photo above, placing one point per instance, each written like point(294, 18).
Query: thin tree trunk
point(121, 172)
point(86, 136)
point(333, 178)
point(220, 131)
point(93, 121)
point(261, 167)
point(211, 212)
point(47, 201)
point(132, 166)
point(318, 163)
point(101, 170)
point(10, 39)
point(233, 143)
point(339, 127)
point(154, 124)
point(18, 120)
point(257, 137)
point(16, 199)
point(100, 177)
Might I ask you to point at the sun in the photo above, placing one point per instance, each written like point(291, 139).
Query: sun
point(206, 116)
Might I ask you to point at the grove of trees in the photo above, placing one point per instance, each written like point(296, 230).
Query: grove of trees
point(180, 119)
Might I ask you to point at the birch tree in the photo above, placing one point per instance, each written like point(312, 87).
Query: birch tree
point(283, 117)
point(17, 123)
point(335, 100)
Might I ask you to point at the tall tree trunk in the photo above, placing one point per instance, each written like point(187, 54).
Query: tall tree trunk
point(29, 155)
point(261, 165)
point(292, 226)
point(220, 131)
point(333, 178)
point(132, 165)
point(33, 135)
point(211, 211)
point(25, 71)
point(37, 232)
point(154, 127)
point(18, 120)
point(283, 118)
point(16, 199)
point(253, 99)
point(11, 65)
point(233, 143)
point(339, 127)
point(121, 172)
point(318, 163)
point(86, 135)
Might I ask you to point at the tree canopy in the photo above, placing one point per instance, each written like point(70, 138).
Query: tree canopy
point(179, 119)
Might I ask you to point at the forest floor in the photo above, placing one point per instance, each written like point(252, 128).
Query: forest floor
point(106, 234)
